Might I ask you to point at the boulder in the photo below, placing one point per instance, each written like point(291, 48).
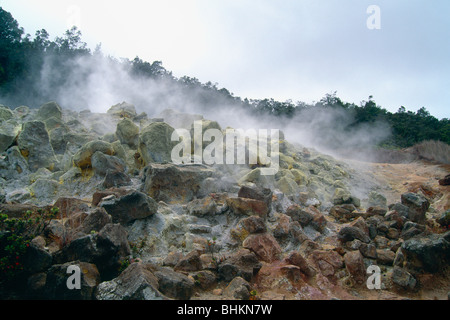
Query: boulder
point(5, 113)
point(296, 259)
point(298, 214)
point(174, 284)
point(8, 133)
point(417, 205)
point(83, 158)
point(128, 133)
point(238, 289)
point(57, 277)
point(429, 253)
point(103, 163)
point(288, 186)
point(445, 181)
point(155, 144)
point(174, 183)
point(403, 278)
point(136, 282)
point(129, 207)
point(355, 266)
point(264, 245)
point(262, 194)
point(328, 261)
point(385, 257)
point(349, 233)
point(115, 179)
point(95, 221)
point(49, 110)
point(14, 165)
point(190, 262)
point(36, 259)
point(202, 207)
point(34, 144)
point(242, 263)
point(411, 229)
point(246, 206)
point(105, 249)
point(123, 110)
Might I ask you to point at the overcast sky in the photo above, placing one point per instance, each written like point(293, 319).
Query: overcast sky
point(279, 49)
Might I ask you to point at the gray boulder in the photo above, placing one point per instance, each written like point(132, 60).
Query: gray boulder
point(129, 207)
point(417, 205)
point(57, 277)
point(128, 133)
point(34, 144)
point(174, 284)
point(137, 282)
point(83, 158)
point(155, 145)
point(49, 110)
point(8, 133)
point(174, 183)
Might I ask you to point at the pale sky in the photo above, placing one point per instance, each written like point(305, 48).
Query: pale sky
point(279, 49)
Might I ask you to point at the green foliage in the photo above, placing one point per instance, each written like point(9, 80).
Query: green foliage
point(15, 237)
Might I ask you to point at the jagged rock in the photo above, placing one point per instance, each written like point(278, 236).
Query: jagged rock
point(174, 183)
point(34, 144)
point(430, 253)
point(342, 196)
point(385, 256)
point(247, 226)
point(375, 210)
point(137, 282)
point(296, 259)
point(103, 163)
point(129, 207)
point(242, 263)
point(417, 204)
point(114, 179)
point(445, 181)
point(444, 219)
point(403, 278)
point(48, 110)
point(14, 165)
point(174, 284)
point(128, 133)
point(155, 144)
point(8, 133)
point(5, 113)
point(172, 258)
point(83, 158)
point(401, 209)
point(262, 194)
point(288, 186)
point(298, 214)
point(44, 190)
point(264, 245)
point(344, 212)
point(355, 266)
point(123, 110)
point(349, 233)
point(238, 289)
point(56, 282)
point(377, 200)
point(95, 221)
point(328, 261)
point(245, 206)
point(202, 207)
point(368, 250)
point(190, 262)
point(36, 259)
point(68, 206)
point(205, 279)
point(411, 229)
point(104, 249)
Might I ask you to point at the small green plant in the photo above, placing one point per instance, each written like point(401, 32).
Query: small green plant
point(212, 249)
point(15, 237)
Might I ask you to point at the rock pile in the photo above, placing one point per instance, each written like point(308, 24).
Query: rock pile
point(141, 227)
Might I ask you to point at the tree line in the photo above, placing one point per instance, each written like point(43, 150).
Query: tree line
point(23, 58)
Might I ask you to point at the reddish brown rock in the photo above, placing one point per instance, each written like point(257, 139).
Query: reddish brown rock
point(264, 246)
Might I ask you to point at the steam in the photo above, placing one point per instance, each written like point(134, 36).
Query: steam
point(96, 82)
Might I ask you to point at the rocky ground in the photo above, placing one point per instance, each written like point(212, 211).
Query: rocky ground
point(141, 227)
